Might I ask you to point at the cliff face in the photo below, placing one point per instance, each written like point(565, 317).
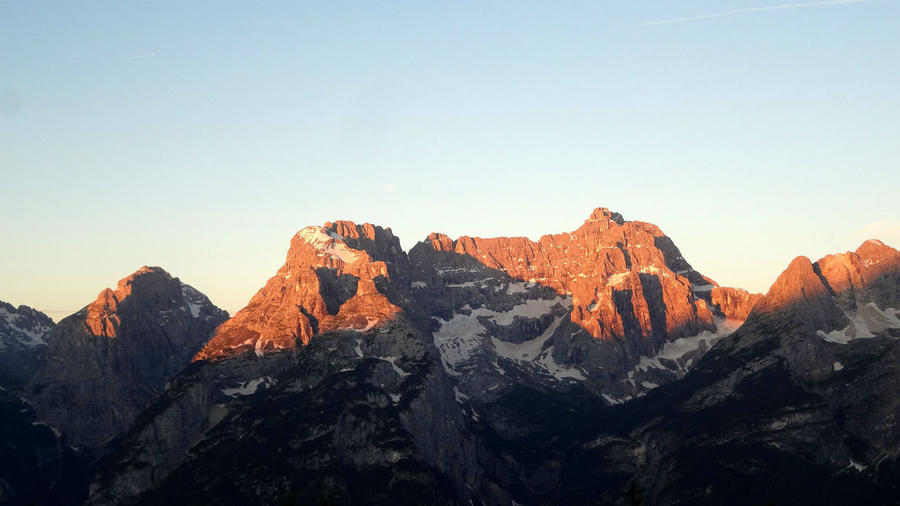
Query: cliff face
point(105, 362)
point(626, 279)
point(335, 277)
point(612, 303)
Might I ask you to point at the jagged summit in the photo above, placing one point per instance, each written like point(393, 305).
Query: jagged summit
point(101, 316)
point(336, 276)
point(106, 360)
point(604, 214)
point(616, 282)
point(801, 289)
point(841, 296)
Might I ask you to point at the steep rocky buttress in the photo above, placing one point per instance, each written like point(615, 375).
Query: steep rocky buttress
point(104, 363)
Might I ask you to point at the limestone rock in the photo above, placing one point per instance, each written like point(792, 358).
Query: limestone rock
point(105, 362)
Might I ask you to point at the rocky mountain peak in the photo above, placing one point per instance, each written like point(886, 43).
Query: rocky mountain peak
point(107, 360)
point(335, 276)
point(102, 317)
point(877, 257)
point(603, 214)
point(801, 292)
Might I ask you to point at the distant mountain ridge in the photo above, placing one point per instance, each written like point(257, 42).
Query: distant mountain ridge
point(622, 290)
point(582, 368)
point(23, 333)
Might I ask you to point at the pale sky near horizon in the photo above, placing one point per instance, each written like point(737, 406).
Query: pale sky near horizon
point(199, 137)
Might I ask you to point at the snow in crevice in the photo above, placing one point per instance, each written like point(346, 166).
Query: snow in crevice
point(529, 350)
point(612, 400)
point(392, 360)
point(558, 371)
point(674, 350)
point(370, 323)
point(467, 284)
point(856, 465)
point(249, 387)
point(703, 288)
point(332, 245)
point(865, 322)
point(193, 299)
point(55, 431)
point(260, 346)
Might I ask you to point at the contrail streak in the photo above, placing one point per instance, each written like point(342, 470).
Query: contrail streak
point(749, 10)
point(138, 57)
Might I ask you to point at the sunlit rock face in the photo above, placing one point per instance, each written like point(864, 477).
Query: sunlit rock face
point(625, 278)
point(808, 383)
point(434, 340)
point(584, 305)
point(613, 304)
point(340, 276)
point(459, 373)
point(106, 361)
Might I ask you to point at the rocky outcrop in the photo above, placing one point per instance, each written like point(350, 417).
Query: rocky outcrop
point(23, 332)
point(104, 363)
point(732, 303)
point(339, 276)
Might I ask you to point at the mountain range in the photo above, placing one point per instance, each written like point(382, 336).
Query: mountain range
point(595, 366)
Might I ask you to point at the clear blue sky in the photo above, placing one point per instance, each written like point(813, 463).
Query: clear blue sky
point(199, 136)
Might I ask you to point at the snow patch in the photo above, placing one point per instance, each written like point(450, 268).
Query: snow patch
point(865, 322)
point(558, 371)
point(390, 360)
point(617, 278)
point(837, 366)
point(517, 287)
point(193, 299)
point(249, 387)
point(676, 349)
point(612, 400)
point(529, 350)
point(458, 337)
point(467, 284)
point(31, 338)
point(329, 244)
